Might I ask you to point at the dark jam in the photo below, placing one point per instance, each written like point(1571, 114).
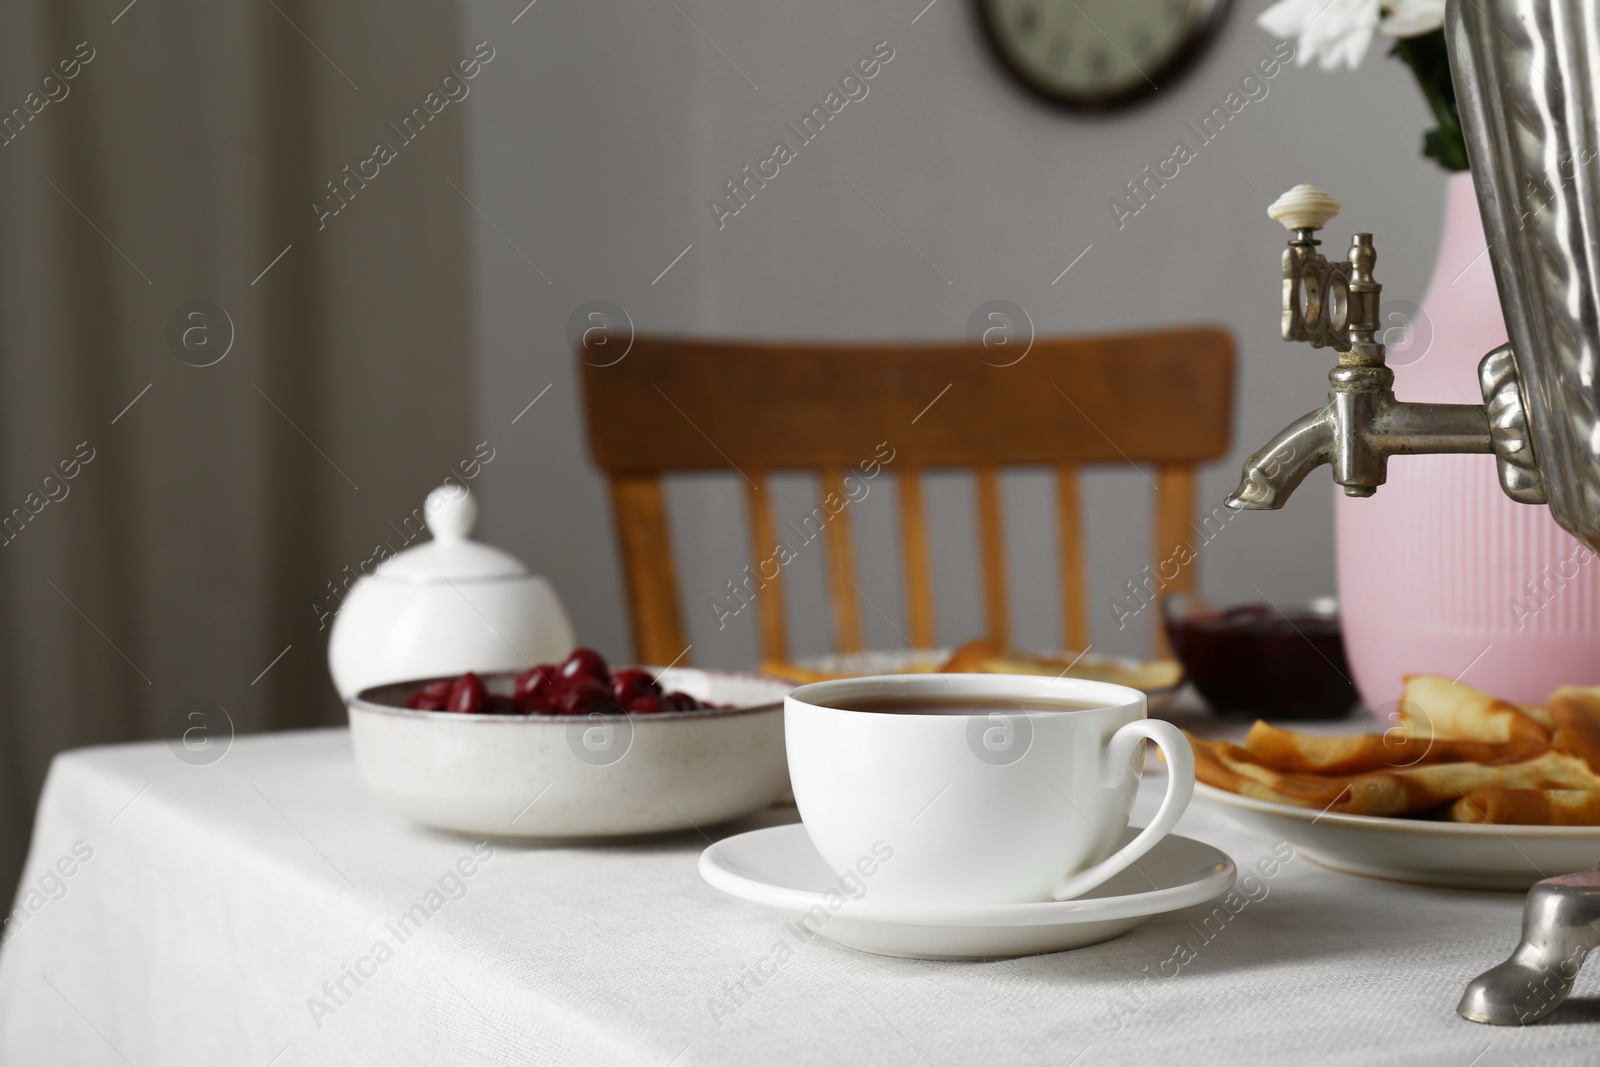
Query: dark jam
point(1254, 661)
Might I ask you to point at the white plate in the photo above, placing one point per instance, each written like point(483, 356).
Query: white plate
point(895, 661)
point(566, 776)
point(1422, 851)
point(778, 866)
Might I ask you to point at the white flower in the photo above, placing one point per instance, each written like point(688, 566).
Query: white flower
point(1338, 32)
point(1333, 32)
point(1411, 18)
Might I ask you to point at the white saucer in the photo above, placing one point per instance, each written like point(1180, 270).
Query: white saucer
point(778, 866)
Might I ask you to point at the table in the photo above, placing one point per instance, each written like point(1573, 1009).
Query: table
point(213, 913)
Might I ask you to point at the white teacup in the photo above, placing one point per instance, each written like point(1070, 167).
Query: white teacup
point(1004, 806)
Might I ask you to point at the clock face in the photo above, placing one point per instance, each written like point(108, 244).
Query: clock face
point(1095, 54)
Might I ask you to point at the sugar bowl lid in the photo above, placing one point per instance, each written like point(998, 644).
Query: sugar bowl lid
point(451, 512)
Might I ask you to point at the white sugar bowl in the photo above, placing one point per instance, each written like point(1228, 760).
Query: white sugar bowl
point(447, 606)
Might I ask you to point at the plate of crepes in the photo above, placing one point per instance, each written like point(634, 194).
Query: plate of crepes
point(1465, 789)
point(1159, 678)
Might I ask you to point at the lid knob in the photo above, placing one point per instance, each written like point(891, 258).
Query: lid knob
point(451, 513)
point(1305, 207)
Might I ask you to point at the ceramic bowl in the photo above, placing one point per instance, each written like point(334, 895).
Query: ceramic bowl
point(566, 776)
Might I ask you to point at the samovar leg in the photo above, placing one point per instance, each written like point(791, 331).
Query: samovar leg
point(1560, 925)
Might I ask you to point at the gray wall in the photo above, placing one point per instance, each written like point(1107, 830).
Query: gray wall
point(602, 128)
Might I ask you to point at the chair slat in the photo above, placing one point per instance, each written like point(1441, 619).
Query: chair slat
point(918, 565)
point(1175, 496)
point(641, 516)
point(840, 550)
point(763, 543)
point(992, 548)
point(1074, 572)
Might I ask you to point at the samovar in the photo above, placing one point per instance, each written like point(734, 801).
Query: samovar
point(1527, 80)
point(1528, 89)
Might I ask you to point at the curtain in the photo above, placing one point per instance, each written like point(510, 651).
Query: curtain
point(221, 376)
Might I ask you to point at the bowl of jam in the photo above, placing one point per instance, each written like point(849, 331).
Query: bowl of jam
point(1261, 660)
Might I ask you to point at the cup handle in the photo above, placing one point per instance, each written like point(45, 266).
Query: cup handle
point(1180, 788)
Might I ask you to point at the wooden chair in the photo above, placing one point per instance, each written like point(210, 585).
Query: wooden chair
point(1162, 398)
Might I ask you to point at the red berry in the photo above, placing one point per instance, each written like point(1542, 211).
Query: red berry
point(630, 683)
point(533, 684)
point(679, 702)
point(602, 706)
point(645, 705)
point(468, 695)
point(499, 704)
point(432, 697)
point(535, 705)
point(574, 695)
point(584, 663)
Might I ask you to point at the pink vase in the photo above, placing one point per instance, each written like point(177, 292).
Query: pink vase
point(1441, 572)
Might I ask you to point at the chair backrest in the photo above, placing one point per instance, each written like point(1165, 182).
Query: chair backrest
point(1158, 398)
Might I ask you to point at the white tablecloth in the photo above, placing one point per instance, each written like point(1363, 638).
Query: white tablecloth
point(212, 914)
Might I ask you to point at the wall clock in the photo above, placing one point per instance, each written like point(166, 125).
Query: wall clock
point(1093, 55)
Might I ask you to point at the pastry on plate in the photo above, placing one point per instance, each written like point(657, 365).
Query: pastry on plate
point(983, 656)
point(1457, 754)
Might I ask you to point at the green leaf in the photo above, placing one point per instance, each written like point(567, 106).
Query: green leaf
point(1430, 63)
